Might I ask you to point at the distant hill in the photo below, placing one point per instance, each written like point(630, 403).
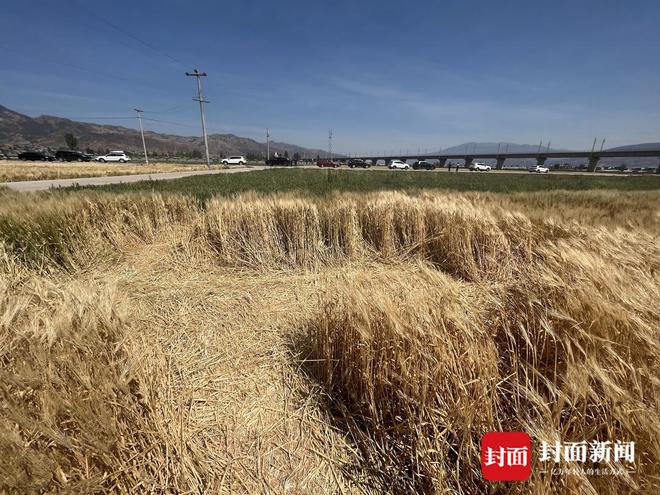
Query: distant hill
point(493, 147)
point(635, 147)
point(20, 132)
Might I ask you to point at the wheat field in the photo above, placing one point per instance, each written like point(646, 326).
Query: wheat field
point(351, 343)
point(14, 171)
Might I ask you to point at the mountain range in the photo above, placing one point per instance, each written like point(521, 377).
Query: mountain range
point(19, 132)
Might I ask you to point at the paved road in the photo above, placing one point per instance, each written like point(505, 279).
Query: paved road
point(42, 185)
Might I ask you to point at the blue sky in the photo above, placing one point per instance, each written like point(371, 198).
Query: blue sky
point(384, 75)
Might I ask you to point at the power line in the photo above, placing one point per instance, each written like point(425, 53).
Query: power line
point(129, 34)
point(169, 122)
point(213, 129)
point(169, 110)
point(100, 118)
point(61, 63)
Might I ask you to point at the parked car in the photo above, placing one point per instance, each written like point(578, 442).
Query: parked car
point(423, 165)
point(327, 164)
point(358, 162)
point(278, 160)
point(72, 156)
point(114, 156)
point(41, 156)
point(234, 160)
point(479, 167)
point(399, 165)
point(539, 169)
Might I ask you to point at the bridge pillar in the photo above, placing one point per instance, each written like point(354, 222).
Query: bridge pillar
point(442, 162)
point(593, 163)
point(500, 163)
point(540, 160)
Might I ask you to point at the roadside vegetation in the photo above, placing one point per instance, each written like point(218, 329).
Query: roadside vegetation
point(15, 171)
point(353, 342)
point(319, 182)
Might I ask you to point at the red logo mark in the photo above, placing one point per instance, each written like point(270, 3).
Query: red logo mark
point(506, 456)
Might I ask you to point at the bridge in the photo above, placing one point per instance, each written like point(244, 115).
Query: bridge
point(541, 156)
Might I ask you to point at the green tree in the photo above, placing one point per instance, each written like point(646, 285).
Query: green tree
point(286, 154)
point(296, 157)
point(71, 141)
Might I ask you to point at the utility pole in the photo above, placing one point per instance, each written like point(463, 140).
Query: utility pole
point(201, 101)
point(330, 143)
point(267, 144)
point(144, 144)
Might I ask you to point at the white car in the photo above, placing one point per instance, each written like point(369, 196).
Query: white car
point(234, 160)
point(114, 156)
point(539, 169)
point(399, 165)
point(479, 167)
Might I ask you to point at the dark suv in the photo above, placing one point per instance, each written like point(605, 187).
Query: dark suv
point(72, 156)
point(423, 165)
point(358, 162)
point(36, 156)
point(278, 160)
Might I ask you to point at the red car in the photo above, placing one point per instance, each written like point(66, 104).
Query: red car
point(327, 164)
